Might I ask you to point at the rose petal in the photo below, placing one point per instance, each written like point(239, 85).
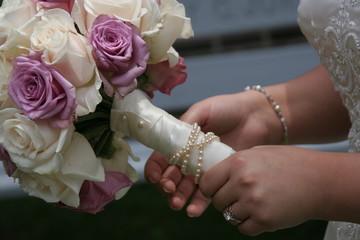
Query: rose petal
point(9, 166)
point(164, 78)
point(66, 5)
point(80, 160)
point(95, 195)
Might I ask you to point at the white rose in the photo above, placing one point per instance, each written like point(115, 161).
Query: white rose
point(151, 21)
point(175, 25)
point(133, 11)
point(14, 14)
point(55, 188)
point(33, 147)
point(79, 164)
point(51, 188)
point(51, 163)
point(36, 147)
point(53, 33)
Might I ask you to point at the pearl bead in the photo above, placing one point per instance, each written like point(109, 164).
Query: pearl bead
point(141, 124)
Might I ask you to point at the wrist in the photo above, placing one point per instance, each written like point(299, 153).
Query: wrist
point(270, 113)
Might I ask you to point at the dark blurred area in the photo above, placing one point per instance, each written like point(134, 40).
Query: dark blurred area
point(142, 214)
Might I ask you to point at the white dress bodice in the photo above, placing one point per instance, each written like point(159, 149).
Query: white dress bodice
point(332, 27)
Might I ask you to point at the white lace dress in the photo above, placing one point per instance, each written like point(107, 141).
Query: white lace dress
point(332, 27)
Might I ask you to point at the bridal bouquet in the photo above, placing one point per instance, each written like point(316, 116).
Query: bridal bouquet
point(64, 65)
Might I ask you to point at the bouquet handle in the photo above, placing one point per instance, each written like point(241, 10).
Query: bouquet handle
point(136, 117)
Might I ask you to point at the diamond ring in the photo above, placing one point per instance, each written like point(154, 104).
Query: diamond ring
point(230, 217)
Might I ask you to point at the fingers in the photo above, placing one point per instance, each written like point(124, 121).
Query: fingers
point(186, 190)
point(180, 188)
point(170, 179)
point(227, 195)
point(183, 192)
point(239, 211)
point(251, 228)
point(198, 204)
point(245, 224)
point(194, 114)
point(155, 167)
point(215, 178)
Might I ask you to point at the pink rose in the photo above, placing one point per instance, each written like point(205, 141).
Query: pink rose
point(94, 196)
point(41, 92)
point(120, 53)
point(66, 5)
point(162, 77)
point(9, 166)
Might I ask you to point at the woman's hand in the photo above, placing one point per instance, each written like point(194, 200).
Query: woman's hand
point(240, 120)
point(180, 188)
point(268, 187)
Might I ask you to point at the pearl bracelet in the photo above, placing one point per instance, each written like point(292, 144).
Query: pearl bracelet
point(276, 108)
point(183, 156)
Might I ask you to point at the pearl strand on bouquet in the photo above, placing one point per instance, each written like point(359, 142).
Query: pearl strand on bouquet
point(183, 156)
point(136, 117)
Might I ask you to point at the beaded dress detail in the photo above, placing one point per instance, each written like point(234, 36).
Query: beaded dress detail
point(332, 27)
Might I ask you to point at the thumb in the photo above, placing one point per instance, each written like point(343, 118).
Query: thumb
point(195, 114)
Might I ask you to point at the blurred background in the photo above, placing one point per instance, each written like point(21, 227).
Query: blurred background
point(236, 43)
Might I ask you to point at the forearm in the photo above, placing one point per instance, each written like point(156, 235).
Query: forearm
point(340, 186)
point(312, 108)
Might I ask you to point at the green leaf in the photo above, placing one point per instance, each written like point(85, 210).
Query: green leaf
point(103, 147)
point(95, 131)
point(92, 116)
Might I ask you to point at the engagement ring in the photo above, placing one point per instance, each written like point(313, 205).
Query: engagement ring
point(230, 217)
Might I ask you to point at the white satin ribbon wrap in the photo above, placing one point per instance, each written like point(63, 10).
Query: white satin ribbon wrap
point(136, 117)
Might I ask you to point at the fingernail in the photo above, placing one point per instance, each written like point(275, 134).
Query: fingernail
point(151, 180)
point(189, 214)
point(174, 209)
point(165, 190)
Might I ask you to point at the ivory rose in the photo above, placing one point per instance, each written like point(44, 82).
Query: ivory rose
point(86, 11)
point(175, 25)
point(51, 188)
point(33, 147)
point(53, 33)
point(49, 163)
point(13, 15)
